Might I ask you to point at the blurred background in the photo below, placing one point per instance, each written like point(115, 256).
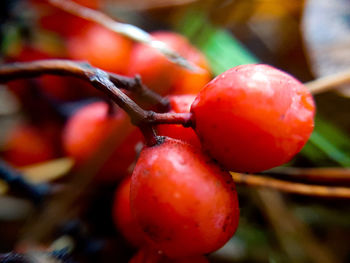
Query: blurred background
point(308, 39)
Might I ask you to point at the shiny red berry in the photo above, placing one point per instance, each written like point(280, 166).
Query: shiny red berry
point(183, 201)
point(253, 117)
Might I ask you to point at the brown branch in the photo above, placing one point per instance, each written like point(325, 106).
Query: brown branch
point(81, 70)
point(127, 30)
point(319, 175)
point(327, 83)
point(290, 187)
point(106, 82)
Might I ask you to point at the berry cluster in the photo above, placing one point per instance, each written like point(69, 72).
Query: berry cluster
point(180, 202)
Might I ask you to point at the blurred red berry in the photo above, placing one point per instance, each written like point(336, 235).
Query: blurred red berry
point(122, 216)
point(26, 145)
point(163, 76)
point(100, 47)
point(87, 129)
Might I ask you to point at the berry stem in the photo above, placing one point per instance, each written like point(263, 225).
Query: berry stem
point(106, 82)
point(291, 187)
point(328, 83)
point(130, 31)
point(334, 175)
point(80, 70)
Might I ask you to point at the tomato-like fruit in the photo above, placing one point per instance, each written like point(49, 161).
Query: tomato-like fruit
point(27, 145)
point(147, 255)
point(253, 117)
point(163, 76)
point(89, 126)
point(101, 47)
point(180, 104)
point(123, 219)
point(183, 201)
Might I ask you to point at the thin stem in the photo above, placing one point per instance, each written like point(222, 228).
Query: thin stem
point(126, 30)
point(319, 175)
point(81, 70)
point(326, 83)
point(103, 81)
point(290, 187)
point(185, 119)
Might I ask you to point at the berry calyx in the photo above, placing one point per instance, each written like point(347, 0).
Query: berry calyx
point(253, 117)
point(183, 201)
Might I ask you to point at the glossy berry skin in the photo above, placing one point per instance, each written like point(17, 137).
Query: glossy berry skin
point(123, 219)
point(88, 128)
point(100, 47)
point(180, 104)
point(253, 117)
point(147, 255)
point(185, 203)
point(28, 145)
point(163, 76)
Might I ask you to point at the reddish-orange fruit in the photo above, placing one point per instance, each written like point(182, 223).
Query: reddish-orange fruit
point(180, 104)
point(123, 219)
point(28, 145)
point(147, 255)
point(101, 47)
point(191, 82)
point(163, 76)
point(253, 117)
point(87, 129)
point(60, 22)
point(183, 201)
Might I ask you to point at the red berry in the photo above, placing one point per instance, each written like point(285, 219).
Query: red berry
point(191, 82)
point(60, 22)
point(253, 117)
point(185, 203)
point(163, 76)
point(180, 104)
point(28, 145)
point(101, 47)
point(87, 129)
point(122, 216)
